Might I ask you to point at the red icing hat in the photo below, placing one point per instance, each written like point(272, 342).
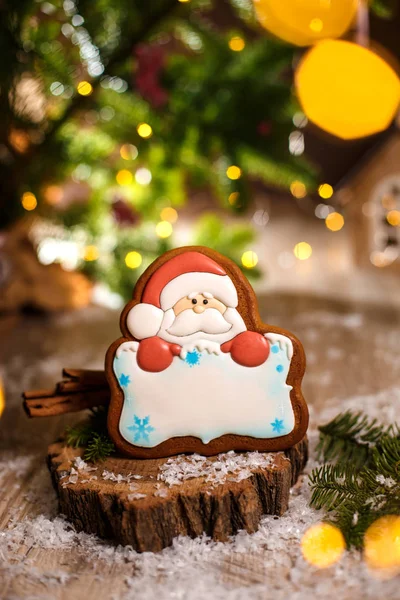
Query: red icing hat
point(186, 274)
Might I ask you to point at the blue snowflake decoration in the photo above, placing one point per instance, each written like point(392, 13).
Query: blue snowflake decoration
point(141, 428)
point(192, 358)
point(278, 425)
point(279, 368)
point(275, 348)
point(124, 380)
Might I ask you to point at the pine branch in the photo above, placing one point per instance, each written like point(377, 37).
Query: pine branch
point(93, 436)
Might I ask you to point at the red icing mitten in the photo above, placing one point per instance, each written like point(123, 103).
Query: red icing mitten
point(155, 354)
point(249, 349)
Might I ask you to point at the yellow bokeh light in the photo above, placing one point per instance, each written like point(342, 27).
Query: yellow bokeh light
point(233, 198)
point(236, 43)
point(347, 90)
point(164, 229)
point(169, 214)
point(334, 221)
point(249, 259)
point(84, 88)
point(393, 218)
point(316, 25)
point(325, 191)
point(298, 189)
point(144, 130)
point(29, 201)
point(2, 397)
point(302, 250)
point(90, 253)
point(183, 1)
point(382, 544)
point(128, 152)
point(124, 177)
point(303, 22)
point(233, 172)
point(133, 259)
point(322, 545)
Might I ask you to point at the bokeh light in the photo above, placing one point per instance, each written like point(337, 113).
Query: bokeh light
point(128, 152)
point(325, 191)
point(29, 201)
point(143, 176)
point(90, 253)
point(322, 545)
point(133, 259)
point(393, 218)
point(53, 194)
point(302, 250)
point(249, 259)
point(334, 221)
point(382, 544)
point(169, 214)
point(298, 189)
point(234, 172)
point(84, 88)
point(144, 130)
point(164, 229)
point(236, 43)
point(2, 397)
point(233, 198)
point(124, 177)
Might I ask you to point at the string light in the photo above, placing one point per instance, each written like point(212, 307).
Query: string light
point(169, 214)
point(90, 253)
point(325, 191)
point(84, 88)
point(249, 259)
point(298, 189)
point(128, 152)
point(233, 172)
point(393, 218)
point(334, 221)
point(382, 544)
point(322, 545)
point(302, 250)
point(144, 130)
point(133, 259)
point(164, 229)
point(29, 201)
point(236, 43)
point(124, 177)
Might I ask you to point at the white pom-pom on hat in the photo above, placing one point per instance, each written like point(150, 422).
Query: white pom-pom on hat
point(144, 320)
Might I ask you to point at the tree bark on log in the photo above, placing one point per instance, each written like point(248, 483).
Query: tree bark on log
point(146, 513)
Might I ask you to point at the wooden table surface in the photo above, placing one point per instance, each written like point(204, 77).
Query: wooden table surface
point(353, 362)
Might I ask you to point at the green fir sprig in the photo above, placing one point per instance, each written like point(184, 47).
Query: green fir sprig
point(361, 481)
point(92, 435)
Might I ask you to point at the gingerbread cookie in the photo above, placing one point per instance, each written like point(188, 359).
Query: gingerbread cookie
point(196, 370)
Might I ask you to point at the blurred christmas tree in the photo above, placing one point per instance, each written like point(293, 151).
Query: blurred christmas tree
point(113, 111)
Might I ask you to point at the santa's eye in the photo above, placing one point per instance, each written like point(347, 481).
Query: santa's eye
point(205, 301)
point(194, 301)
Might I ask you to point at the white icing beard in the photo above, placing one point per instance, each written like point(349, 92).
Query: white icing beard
point(190, 328)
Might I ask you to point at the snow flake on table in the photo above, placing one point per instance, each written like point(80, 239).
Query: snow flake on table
point(227, 467)
point(141, 428)
point(193, 358)
point(278, 425)
point(124, 380)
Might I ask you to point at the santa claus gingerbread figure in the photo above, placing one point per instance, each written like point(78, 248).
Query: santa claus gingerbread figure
point(194, 308)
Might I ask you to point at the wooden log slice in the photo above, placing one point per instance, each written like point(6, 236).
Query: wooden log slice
point(146, 503)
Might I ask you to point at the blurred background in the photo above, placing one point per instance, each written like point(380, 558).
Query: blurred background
point(266, 130)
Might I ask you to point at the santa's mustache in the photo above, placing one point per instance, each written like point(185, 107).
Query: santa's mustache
point(188, 322)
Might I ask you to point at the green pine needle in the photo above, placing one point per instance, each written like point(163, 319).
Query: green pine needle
point(362, 481)
point(92, 435)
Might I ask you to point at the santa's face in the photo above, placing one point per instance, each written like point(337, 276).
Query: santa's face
point(200, 316)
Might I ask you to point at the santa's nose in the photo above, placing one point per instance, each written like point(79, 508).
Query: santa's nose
point(199, 308)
